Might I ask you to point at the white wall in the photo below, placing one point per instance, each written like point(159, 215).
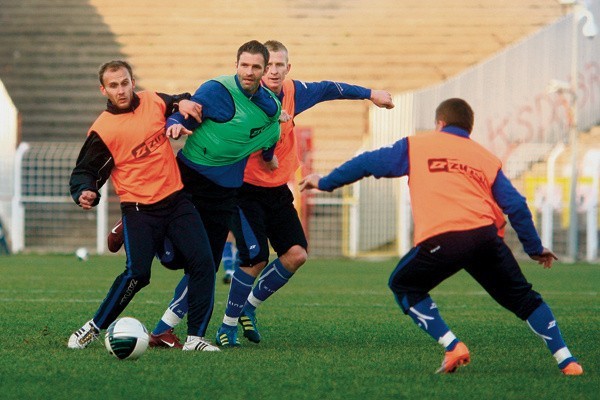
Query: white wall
point(8, 145)
point(515, 115)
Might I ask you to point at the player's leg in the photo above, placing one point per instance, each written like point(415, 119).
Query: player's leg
point(186, 231)
point(253, 248)
point(286, 234)
point(216, 212)
point(140, 237)
point(163, 335)
point(229, 258)
point(287, 237)
point(410, 282)
point(419, 271)
point(501, 276)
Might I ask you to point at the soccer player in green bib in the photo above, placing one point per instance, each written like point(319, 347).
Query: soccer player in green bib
point(239, 117)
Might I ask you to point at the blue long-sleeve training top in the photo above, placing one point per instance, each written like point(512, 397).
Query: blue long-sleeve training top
point(310, 93)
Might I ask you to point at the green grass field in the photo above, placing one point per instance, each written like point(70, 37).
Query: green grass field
point(334, 332)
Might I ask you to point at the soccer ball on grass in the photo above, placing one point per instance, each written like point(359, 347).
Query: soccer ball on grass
point(126, 338)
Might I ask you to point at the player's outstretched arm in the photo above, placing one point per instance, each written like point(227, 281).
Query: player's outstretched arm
point(309, 182)
point(546, 258)
point(382, 99)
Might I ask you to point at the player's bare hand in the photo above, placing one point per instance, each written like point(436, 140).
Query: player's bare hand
point(546, 258)
point(177, 130)
point(189, 108)
point(273, 164)
point(87, 198)
point(382, 99)
point(309, 182)
point(284, 117)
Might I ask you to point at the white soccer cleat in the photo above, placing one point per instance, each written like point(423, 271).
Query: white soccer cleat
point(85, 335)
point(199, 344)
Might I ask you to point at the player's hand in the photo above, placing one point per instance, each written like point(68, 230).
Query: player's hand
point(273, 164)
point(284, 116)
point(382, 99)
point(189, 108)
point(546, 258)
point(177, 130)
point(309, 182)
point(87, 198)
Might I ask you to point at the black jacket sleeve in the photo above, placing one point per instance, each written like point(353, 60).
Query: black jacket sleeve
point(92, 169)
point(172, 102)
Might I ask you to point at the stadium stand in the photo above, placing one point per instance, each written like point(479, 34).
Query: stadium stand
point(50, 51)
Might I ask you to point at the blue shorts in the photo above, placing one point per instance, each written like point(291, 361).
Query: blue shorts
point(481, 253)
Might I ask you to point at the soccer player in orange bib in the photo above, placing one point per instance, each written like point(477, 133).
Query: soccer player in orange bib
point(458, 190)
point(127, 143)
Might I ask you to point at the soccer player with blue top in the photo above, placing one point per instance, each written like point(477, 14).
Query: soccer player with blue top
point(267, 212)
point(458, 196)
point(239, 117)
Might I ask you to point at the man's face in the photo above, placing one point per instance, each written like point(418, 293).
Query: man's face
point(118, 87)
point(250, 69)
point(277, 70)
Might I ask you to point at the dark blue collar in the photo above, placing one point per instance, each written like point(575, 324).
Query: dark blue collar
point(455, 130)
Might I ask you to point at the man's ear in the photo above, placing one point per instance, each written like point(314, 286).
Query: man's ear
point(439, 125)
point(132, 83)
point(103, 90)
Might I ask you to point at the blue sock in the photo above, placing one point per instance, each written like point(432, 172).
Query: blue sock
point(228, 258)
point(272, 279)
point(178, 308)
point(241, 286)
point(426, 316)
point(542, 323)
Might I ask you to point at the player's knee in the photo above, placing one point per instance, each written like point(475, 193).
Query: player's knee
point(294, 258)
point(395, 285)
point(525, 307)
point(405, 297)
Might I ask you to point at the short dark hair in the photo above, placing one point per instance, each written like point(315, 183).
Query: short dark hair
point(113, 66)
point(456, 112)
point(254, 47)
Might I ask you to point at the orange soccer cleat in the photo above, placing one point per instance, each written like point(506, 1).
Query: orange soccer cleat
point(573, 368)
point(454, 359)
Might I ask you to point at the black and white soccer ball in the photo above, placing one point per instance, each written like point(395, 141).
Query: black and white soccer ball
point(126, 338)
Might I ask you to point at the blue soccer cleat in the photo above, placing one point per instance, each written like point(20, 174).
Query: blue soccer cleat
point(227, 337)
point(248, 322)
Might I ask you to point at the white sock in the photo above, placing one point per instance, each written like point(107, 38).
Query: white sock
point(170, 318)
point(254, 301)
point(230, 321)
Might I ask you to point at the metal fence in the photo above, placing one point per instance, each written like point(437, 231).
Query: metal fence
point(519, 115)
